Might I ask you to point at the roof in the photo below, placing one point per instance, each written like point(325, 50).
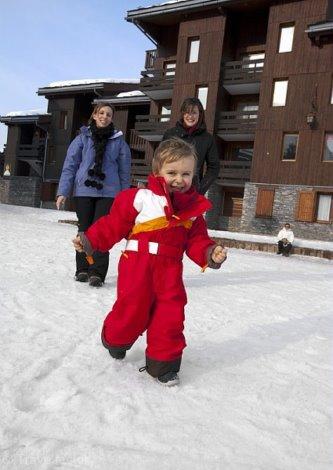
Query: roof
point(128, 97)
point(321, 27)
point(179, 6)
point(28, 116)
point(81, 85)
point(148, 19)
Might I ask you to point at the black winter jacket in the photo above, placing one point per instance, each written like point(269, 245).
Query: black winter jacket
point(206, 151)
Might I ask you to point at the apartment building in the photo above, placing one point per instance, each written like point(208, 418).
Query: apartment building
point(263, 71)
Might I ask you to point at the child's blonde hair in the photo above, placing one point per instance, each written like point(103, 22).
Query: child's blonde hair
point(172, 150)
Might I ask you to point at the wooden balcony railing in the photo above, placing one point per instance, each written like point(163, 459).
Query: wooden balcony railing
point(151, 56)
point(149, 124)
point(239, 122)
point(140, 170)
point(234, 173)
point(31, 151)
point(136, 142)
point(243, 71)
point(158, 77)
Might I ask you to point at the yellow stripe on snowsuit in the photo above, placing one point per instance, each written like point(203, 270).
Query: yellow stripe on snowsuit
point(157, 224)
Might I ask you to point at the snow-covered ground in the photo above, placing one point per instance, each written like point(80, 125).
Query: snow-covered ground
point(256, 380)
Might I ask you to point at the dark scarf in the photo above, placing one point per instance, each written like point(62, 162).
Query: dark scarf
point(100, 137)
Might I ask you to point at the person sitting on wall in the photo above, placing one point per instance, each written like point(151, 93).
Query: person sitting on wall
point(285, 240)
point(7, 171)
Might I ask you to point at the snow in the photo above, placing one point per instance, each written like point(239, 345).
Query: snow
point(30, 112)
point(256, 378)
point(315, 244)
point(87, 81)
point(130, 93)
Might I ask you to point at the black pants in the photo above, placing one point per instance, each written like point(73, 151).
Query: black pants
point(284, 249)
point(88, 210)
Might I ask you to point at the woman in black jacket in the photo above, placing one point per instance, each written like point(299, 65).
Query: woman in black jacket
point(192, 128)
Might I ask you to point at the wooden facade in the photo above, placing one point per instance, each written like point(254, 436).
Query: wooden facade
point(309, 71)
point(239, 62)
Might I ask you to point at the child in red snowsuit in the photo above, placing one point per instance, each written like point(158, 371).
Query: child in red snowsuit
point(160, 223)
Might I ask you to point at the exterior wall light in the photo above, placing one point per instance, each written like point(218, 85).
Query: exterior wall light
point(311, 120)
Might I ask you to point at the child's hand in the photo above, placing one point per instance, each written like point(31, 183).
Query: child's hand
point(219, 254)
point(78, 244)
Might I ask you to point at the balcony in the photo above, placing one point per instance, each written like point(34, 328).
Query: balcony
point(139, 170)
point(158, 84)
point(33, 155)
point(234, 173)
point(243, 77)
point(237, 125)
point(136, 142)
point(31, 150)
point(151, 127)
point(151, 56)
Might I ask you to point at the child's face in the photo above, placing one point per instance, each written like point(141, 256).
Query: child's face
point(178, 175)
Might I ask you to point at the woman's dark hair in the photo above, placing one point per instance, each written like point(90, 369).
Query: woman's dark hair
point(188, 105)
point(100, 105)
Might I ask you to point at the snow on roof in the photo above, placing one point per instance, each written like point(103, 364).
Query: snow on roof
point(30, 112)
point(87, 81)
point(159, 4)
point(130, 93)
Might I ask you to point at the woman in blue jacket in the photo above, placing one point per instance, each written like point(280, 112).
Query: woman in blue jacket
point(96, 168)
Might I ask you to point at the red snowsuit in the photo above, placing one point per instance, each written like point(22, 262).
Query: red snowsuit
point(150, 290)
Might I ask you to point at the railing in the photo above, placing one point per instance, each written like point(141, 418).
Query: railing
point(151, 56)
point(234, 173)
point(152, 124)
point(136, 142)
point(139, 170)
point(242, 71)
point(237, 122)
point(31, 151)
point(158, 77)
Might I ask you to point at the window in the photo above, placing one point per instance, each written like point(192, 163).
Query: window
point(280, 92)
point(328, 148)
point(202, 93)
point(169, 69)
point(247, 108)
point(314, 206)
point(252, 61)
point(193, 46)
point(233, 204)
point(265, 200)
point(63, 121)
point(305, 206)
point(286, 38)
point(289, 148)
point(165, 112)
point(243, 154)
point(324, 207)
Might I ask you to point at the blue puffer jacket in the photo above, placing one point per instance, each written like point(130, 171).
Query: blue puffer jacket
point(81, 157)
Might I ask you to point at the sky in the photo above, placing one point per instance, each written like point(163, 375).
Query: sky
point(256, 382)
point(46, 41)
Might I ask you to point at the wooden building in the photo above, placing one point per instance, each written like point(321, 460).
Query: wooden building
point(70, 104)
point(263, 71)
point(37, 142)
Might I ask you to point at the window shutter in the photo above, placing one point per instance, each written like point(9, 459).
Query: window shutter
point(306, 206)
point(265, 200)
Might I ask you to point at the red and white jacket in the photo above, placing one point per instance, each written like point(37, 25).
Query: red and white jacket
point(153, 215)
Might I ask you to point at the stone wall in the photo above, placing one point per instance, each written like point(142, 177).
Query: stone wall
point(20, 191)
point(285, 200)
